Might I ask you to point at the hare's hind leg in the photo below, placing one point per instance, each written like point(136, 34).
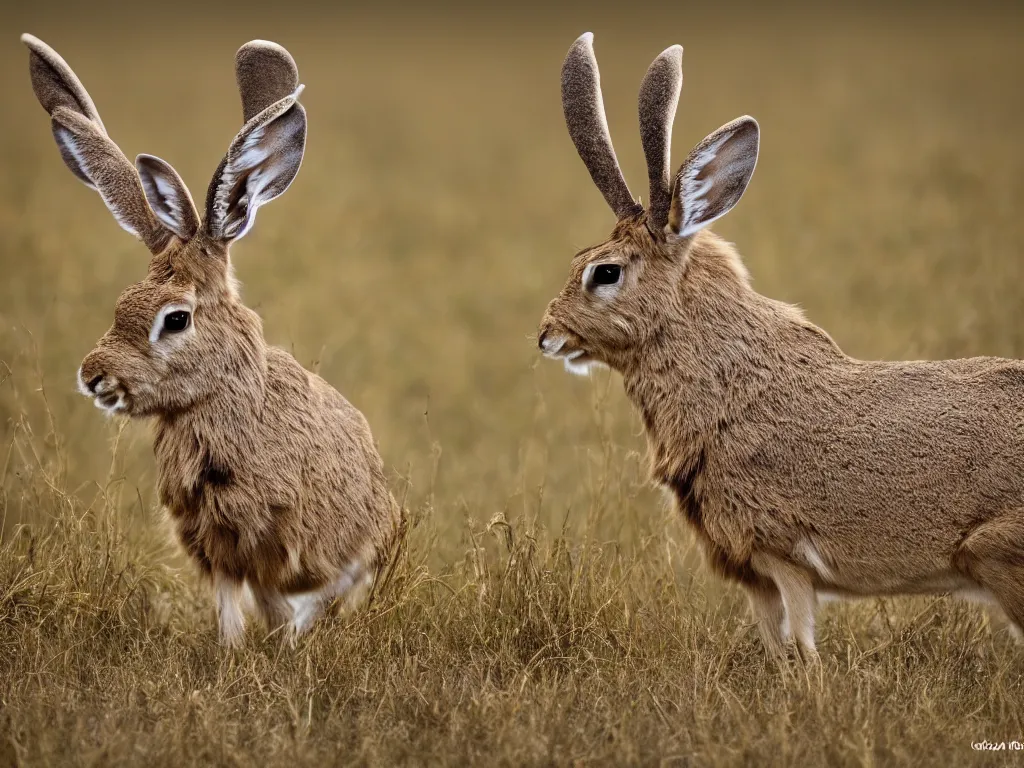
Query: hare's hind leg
point(273, 607)
point(993, 555)
point(308, 607)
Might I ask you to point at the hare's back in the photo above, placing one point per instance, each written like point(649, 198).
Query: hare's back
point(307, 417)
point(943, 439)
point(328, 443)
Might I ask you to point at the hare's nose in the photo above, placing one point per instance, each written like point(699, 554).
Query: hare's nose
point(89, 379)
point(541, 339)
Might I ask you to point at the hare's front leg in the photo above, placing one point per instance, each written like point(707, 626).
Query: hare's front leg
point(770, 614)
point(229, 595)
point(798, 599)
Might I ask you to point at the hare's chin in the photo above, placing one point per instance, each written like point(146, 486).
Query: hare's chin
point(580, 363)
point(576, 361)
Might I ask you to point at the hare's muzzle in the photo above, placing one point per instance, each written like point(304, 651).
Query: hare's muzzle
point(106, 391)
point(555, 342)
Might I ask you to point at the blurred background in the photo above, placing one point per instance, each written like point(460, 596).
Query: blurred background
point(441, 200)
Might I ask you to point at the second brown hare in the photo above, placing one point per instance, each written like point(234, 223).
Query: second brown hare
point(804, 472)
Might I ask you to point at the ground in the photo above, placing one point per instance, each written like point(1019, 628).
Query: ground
point(547, 607)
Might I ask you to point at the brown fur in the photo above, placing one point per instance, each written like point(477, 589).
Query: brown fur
point(270, 477)
point(802, 470)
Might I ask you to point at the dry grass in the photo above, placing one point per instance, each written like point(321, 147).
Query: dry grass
point(546, 608)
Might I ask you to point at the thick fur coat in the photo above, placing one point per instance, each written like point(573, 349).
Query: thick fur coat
point(803, 471)
point(270, 477)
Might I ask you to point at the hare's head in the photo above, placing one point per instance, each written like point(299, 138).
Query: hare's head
point(181, 333)
point(621, 292)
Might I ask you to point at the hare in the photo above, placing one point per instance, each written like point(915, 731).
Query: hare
point(270, 477)
point(805, 473)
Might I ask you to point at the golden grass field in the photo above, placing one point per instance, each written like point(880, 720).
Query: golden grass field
point(547, 608)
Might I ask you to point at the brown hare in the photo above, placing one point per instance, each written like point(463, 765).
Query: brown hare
point(270, 477)
point(803, 471)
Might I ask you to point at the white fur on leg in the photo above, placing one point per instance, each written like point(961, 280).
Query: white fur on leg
point(309, 606)
point(798, 598)
point(800, 603)
point(306, 608)
point(229, 596)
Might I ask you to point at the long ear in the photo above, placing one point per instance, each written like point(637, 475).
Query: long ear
point(659, 98)
point(168, 196)
point(266, 154)
point(85, 147)
point(714, 176)
point(588, 125)
point(260, 164)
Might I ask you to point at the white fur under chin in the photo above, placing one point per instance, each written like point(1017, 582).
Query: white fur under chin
point(579, 369)
point(553, 349)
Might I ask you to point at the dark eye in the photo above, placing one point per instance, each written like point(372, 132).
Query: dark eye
point(175, 322)
point(606, 274)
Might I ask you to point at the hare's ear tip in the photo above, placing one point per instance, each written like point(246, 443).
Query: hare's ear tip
point(749, 125)
point(33, 42)
point(583, 44)
point(258, 43)
point(673, 51)
point(264, 46)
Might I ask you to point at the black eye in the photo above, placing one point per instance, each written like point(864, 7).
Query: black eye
point(175, 322)
point(606, 274)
